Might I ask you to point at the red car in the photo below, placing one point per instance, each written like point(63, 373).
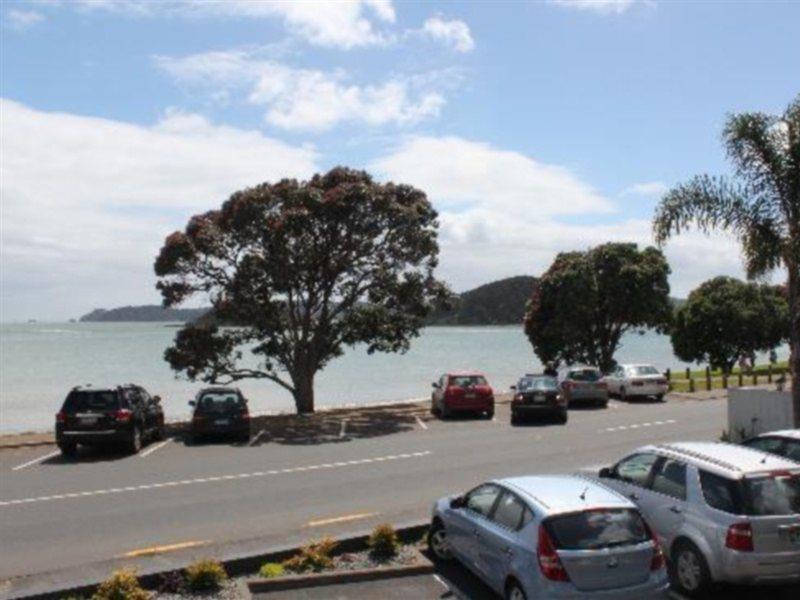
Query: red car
point(462, 392)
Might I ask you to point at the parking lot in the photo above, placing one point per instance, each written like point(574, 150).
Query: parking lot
point(298, 479)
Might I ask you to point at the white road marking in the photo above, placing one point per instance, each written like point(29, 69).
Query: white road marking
point(343, 430)
point(36, 460)
point(257, 437)
point(152, 449)
point(342, 519)
point(421, 423)
point(638, 425)
point(441, 582)
point(214, 479)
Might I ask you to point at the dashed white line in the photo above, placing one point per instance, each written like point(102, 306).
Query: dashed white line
point(421, 423)
point(257, 437)
point(217, 478)
point(638, 425)
point(36, 460)
point(152, 449)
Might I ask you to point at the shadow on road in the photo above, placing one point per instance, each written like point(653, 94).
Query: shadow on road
point(89, 454)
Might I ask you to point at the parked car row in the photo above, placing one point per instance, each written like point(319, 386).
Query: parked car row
point(717, 512)
point(127, 416)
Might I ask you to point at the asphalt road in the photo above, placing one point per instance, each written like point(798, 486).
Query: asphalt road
point(300, 479)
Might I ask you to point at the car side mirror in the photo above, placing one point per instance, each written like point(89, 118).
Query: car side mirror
point(192, 403)
point(434, 385)
point(458, 502)
point(514, 388)
point(606, 473)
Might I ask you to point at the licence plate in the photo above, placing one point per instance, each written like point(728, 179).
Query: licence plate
point(538, 398)
point(469, 396)
point(88, 420)
point(222, 422)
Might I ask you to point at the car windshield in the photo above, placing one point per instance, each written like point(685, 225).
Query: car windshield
point(467, 380)
point(644, 370)
point(584, 375)
point(537, 383)
point(218, 401)
point(593, 529)
point(775, 494)
point(91, 400)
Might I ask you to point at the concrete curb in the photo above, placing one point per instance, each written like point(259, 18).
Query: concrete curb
point(238, 566)
point(294, 582)
point(13, 445)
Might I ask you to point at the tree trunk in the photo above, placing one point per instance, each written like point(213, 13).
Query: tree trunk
point(794, 337)
point(304, 391)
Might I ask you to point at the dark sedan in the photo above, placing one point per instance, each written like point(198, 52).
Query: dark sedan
point(220, 411)
point(538, 395)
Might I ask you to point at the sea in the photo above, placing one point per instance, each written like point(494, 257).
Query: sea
point(41, 362)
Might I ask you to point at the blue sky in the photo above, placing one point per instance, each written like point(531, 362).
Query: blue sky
point(535, 127)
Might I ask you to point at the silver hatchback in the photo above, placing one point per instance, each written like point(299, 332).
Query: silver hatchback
point(721, 512)
point(550, 537)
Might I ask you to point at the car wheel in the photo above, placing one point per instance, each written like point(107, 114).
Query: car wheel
point(514, 591)
point(443, 412)
point(68, 449)
point(438, 544)
point(135, 441)
point(691, 571)
point(159, 433)
point(514, 418)
point(660, 397)
point(490, 414)
point(563, 416)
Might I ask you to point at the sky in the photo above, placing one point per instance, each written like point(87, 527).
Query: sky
point(534, 127)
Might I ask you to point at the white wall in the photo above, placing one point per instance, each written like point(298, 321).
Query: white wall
point(756, 410)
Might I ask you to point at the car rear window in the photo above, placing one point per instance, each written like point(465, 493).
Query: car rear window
point(644, 370)
point(792, 450)
point(78, 401)
point(585, 375)
point(775, 494)
point(594, 529)
point(722, 493)
point(217, 401)
point(538, 383)
point(467, 380)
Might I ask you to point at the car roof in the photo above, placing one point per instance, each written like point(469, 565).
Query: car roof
point(631, 365)
point(784, 433)
point(722, 458)
point(464, 374)
point(556, 494)
point(225, 390)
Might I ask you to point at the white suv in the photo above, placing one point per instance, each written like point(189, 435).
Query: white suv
point(721, 512)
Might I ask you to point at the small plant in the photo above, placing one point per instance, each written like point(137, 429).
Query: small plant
point(383, 542)
point(269, 570)
point(172, 582)
point(725, 437)
point(205, 575)
point(122, 585)
point(315, 556)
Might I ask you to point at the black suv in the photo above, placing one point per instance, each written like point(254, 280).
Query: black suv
point(220, 411)
point(125, 415)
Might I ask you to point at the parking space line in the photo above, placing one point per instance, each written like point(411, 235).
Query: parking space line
point(441, 582)
point(343, 430)
point(152, 449)
point(421, 423)
point(36, 461)
point(162, 549)
point(213, 479)
point(638, 425)
point(257, 437)
point(342, 519)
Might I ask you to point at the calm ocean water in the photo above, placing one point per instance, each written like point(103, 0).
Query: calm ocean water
point(39, 362)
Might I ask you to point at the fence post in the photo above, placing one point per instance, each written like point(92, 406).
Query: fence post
point(769, 373)
point(708, 379)
point(741, 378)
point(755, 377)
point(688, 373)
point(724, 380)
point(691, 384)
point(668, 374)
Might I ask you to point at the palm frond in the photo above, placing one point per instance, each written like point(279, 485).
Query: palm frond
point(762, 247)
point(756, 144)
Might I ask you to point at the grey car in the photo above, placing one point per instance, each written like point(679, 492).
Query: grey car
point(583, 385)
point(553, 536)
point(784, 443)
point(721, 512)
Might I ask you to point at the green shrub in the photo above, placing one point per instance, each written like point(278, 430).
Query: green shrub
point(205, 575)
point(383, 541)
point(269, 570)
point(122, 585)
point(315, 556)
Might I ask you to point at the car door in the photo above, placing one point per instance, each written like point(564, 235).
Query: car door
point(631, 476)
point(148, 414)
point(664, 504)
point(465, 529)
point(613, 380)
point(498, 545)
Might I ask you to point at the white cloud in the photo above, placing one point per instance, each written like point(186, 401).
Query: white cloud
point(600, 6)
point(455, 33)
point(307, 99)
point(86, 202)
point(20, 20)
point(649, 188)
point(503, 213)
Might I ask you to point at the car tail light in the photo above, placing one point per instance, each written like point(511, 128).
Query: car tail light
point(123, 415)
point(740, 537)
point(549, 562)
point(567, 385)
point(661, 382)
point(657, 562)
point(245, 414)
point(602, 385)
point(61, 417)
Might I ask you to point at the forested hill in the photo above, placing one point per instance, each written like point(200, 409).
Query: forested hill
point(147, 313)
point(498, 303)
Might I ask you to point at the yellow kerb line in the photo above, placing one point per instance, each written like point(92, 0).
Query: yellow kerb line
point(167, 548)
point(343, 519)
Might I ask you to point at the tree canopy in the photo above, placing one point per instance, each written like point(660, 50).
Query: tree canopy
point(586, 301)
point(303, 269)
point(725, 319)
point(760, 204)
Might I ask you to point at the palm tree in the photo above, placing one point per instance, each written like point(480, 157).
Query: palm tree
point(760, 205)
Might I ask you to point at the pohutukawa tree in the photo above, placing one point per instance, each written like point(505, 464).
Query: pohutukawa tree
point(298, 270)
point(586, 301)
point(760, 205)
